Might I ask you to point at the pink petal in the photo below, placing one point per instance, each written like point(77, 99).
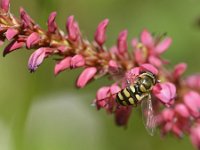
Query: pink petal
point(32, 39)
point(86, 76)
point(52, 26)
point(77, 61)
point(156, 61)
point(62, 65)
point(122, 115)
point(195, 136)
point(72, 28)
point(163, 45)
point(36, 59)
point(177, 131)
point(192, 101)
point(165, 92)
point(114, 89)
point(182, 110)
point(167, 114)
point(101, 97)
point(150, 68)
point(130, 76)
point(10, 33)
point(134, 42)
point(14, 45)
point(193, 81)
point(179, 70)
point(5, 5)
point(146, 38)
point(100, 35)
point(121, 42)
point(139, 56)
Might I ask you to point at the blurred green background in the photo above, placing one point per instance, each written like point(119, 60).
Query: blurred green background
point(41, 112)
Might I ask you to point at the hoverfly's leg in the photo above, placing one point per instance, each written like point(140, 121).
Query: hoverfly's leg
point(148, 115)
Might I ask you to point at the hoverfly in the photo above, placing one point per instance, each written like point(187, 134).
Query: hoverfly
point(139, 92)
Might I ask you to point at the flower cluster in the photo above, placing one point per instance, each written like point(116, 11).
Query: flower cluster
point(176, 100)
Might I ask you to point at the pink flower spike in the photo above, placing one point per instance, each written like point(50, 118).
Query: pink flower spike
point(52, 26)
point(192, 101)
point(14, 45)
point(165, 92)
point(72, 28)
point(121, 42)
point(100, 34)
point(32, 39)
point(5, 5)
point(163, 45)
point(146, 38)
point(182, 110)
point(77, 61)
point(86, 76)
point(36, 59)
point(62, 65)
point(195, 136)
point(11, 32)
point(149, 67)
point(179, 70)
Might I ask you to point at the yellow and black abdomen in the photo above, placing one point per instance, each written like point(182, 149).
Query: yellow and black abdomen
point(126, 96)
point(131, 95)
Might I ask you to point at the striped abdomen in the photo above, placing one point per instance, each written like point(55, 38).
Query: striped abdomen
point(131, 95)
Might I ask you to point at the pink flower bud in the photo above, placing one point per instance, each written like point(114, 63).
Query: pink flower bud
point(14, 45)
point(52, 26)
point(37, 58)
point(121, 42)
point(195, 136)
point(11, 32)
point(192, 101)
point(177, 131)
point(100, 35)
point(163, 45)
point(146, 38)
point(77, 61)
point(5, 5)
point(26, 19)
point(32, 39)
point(149, 67)
point(179, 70)
point(182, 110)
point(167, 114)
point(165, 92)
point(86, 76)
point(122, 115)
point(193, 81)
point(62, 65)
point(72, 28)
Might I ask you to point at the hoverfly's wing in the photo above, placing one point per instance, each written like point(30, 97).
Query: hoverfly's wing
point(148, 117)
